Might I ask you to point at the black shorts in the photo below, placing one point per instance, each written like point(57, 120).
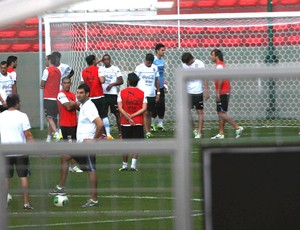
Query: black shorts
point(151, 104)
point(50, 108)
point(222, 105)
point(111, 103)
point(101, 106)
point(21, 163)
point(86, 163)
point(68, 131)
point(197, 101)
point(132, 132)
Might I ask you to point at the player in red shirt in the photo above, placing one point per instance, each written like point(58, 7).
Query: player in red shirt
point(50, 83)
point(132, 104)
point(222, 98)
point(90, 76)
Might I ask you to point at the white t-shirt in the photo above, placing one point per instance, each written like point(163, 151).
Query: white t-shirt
point(6, 84)
point(13, 123)
point(111, 74)
point(65, 70)
point(195, 86)
point(86, 128)
point(147, 77)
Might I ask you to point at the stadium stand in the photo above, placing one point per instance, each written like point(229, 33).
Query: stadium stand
point(23, 36)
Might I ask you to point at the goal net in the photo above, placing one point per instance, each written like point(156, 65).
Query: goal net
point(246, 40)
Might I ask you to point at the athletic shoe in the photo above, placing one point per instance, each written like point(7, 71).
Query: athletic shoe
point(161, 128)
point(238, 132)
point(149, 135)
point(109, 138)
point(28, 207)
point(153, 128)
point(123, 169)
point(56, 137)
point(75, 169)
point(134, 169)
point(103, 136)
point(218, 136)
point(198, 136)
point(48, 140)
point(90, 203)
point(57, 191)
point(195, 132)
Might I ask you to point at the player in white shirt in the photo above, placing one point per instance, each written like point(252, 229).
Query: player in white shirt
point(197, 89)
point(7, 85)
point(113, 79)
point(148, 74)
point(15, 129)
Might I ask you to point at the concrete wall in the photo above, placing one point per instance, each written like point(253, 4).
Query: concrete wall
point(28, 84)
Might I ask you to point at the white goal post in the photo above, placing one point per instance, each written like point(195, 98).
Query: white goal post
point(246, 39)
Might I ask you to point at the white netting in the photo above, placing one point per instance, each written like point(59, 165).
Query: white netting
point(245, 42)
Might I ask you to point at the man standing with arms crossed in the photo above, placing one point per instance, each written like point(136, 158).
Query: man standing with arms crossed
point(113, 79)
point(148, 75)
point(67, 106)
point(159, 61)
point(222, 98)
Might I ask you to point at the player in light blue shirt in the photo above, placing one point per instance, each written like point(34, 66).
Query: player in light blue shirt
point(159, 61)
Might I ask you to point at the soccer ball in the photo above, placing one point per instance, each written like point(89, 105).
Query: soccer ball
point(9, 198)
point(60, 201)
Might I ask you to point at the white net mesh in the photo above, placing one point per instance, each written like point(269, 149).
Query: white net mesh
point(245, 42)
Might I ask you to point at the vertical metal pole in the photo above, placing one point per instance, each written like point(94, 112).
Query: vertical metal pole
point(182, 180)
point(3, 194)
point(270, 60)
point(41, 72)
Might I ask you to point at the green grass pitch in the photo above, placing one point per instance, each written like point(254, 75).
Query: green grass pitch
point(128, 200)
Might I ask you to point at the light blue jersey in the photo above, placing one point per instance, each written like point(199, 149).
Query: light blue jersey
point(160, 63)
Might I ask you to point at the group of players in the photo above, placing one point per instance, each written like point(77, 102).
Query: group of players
point(134, 108)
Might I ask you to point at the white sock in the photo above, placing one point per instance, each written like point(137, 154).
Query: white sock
point(160, 122)
point(152, 121)
point(124, 165)
point(49, 137)
point(133, 163)
point(106, 126)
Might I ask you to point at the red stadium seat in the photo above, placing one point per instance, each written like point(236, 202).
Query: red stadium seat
point(4, 48)
point(232, 42)
point(247, 2)
point(255, 41)
point(8, 33)
point(210, 42)
point(28, 33)
point(226, 3)
point(170, 43)
point(32, 21)
point(205, 3)
point(265, 2)
point(282, 28)
point(186, 4)
point(190, 43)
point(35, 47)
point(21, 47)
point(289, 2)
point(170, 30)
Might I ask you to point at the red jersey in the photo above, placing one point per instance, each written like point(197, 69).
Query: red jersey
point(132, 101)
point(225, 87)
point(67, 118)
point(52, 84)
point(90, 77)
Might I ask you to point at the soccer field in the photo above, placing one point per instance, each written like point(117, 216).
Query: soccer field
point(128, 200)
